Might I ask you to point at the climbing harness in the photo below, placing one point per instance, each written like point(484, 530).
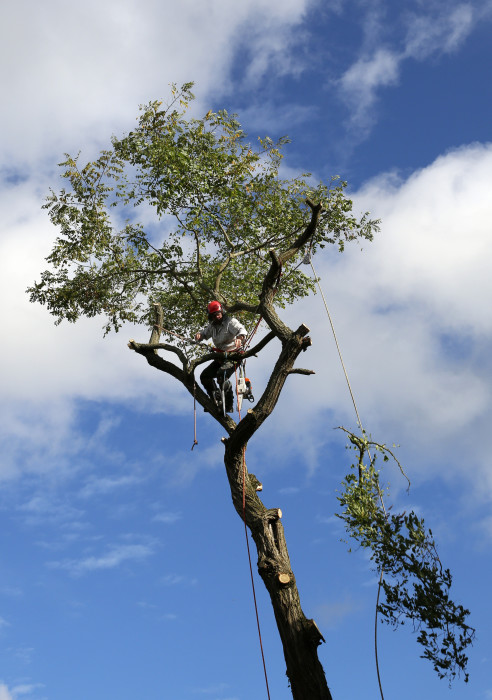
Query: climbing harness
point(243, 384)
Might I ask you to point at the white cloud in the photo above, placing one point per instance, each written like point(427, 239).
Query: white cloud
point(114, 557)
point(437, 30)
point(428, 34)
point(25, 689)
point(213, 689)
point(332, 614)
point(167, 517)
point(173, 579)
point(105, 485)
point(412, 318)
point(18, 690)
point(73, 73)
point(360, 83)
point(421, 285)
point(41, 508)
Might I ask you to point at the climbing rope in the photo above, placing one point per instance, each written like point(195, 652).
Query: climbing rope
point(249, 558)
point(195, 441)
point(251, 574)
point(308, 260)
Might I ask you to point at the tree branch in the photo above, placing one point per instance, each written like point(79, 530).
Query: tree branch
point(304, 237)
point(255, 417)
point(160, 346)
point(148, 351)
point(220, 226)
point(222, 267)
point(278, 260)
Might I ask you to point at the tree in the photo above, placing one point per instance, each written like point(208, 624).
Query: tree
point(225, 226)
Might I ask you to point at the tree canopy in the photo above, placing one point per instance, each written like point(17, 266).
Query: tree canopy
point(179, 211)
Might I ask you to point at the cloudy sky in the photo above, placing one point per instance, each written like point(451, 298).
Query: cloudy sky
point(123, 570)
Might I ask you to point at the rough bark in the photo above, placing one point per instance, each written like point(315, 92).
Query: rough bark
point(300, 636)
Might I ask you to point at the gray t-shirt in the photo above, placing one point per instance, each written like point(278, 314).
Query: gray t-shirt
point(224, 333)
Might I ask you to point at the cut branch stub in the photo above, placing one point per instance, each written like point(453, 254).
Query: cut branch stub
point(302, 330)
point(159, 322)
point(257, 485)
point(317, 636)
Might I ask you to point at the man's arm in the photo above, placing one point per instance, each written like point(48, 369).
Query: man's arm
point(204, 334)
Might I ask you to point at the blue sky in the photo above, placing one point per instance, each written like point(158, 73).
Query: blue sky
point(123, 566)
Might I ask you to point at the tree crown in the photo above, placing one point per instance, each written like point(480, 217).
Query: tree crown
point(179, 211)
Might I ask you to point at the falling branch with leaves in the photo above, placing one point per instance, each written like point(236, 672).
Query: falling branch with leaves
point(416, 586)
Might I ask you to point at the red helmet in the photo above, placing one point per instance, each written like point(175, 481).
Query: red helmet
point(213, 307)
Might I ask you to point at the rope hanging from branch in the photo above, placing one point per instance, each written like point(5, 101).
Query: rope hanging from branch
point(249, 560)
point(309, 261)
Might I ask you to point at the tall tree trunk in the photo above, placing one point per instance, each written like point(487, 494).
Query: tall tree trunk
point(300, 637)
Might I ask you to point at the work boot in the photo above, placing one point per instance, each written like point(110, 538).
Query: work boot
point(217, 397)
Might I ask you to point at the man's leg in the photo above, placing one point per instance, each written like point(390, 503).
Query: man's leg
point(207, 377)
point(229, 394)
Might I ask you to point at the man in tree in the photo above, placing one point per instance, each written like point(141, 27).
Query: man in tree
point(228, 335)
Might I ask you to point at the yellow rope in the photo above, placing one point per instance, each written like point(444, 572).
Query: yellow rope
point(316, 279)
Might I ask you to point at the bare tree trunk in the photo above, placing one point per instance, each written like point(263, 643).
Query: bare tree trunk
point(300, 637)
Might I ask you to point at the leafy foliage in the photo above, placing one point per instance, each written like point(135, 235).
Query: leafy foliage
point(180, 211)
point(415, 584)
